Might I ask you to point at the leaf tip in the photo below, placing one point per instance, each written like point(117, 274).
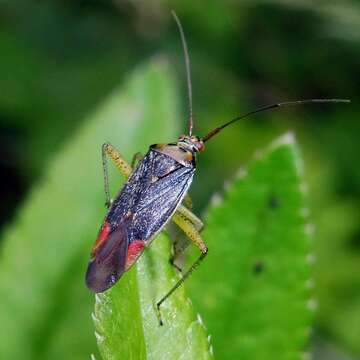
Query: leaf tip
point(286, 139)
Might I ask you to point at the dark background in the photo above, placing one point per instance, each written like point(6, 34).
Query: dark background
point(59, 59)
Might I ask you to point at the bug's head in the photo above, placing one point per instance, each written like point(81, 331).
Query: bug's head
point(191, 143)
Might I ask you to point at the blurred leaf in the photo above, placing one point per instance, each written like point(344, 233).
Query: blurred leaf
point(341, 18)
point(44, 305)
point(255, 281)
point(337, 273)
point(337, 245)
point(126, 322)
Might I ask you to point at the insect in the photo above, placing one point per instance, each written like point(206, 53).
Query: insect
point(153, 195)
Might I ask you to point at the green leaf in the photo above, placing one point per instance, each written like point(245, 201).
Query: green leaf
point(45, 308)
point(256, 280)
point(126, 321)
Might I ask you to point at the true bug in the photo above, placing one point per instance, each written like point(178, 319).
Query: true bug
point(152, 195)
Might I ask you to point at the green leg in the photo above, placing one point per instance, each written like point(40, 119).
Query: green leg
point(136, 158)
point(187, 201)
point(121, 164)
point(190, 230)
point(180, 247)
point(190, 216)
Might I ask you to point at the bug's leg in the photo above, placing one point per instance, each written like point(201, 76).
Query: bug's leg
point(189, 229)
point(136, 158)
point(187, 201)
point(121, 164)
point(180, 246)
point(190, 216)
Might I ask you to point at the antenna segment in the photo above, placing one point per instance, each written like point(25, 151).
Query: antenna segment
point(270, 107)
point(187, 65)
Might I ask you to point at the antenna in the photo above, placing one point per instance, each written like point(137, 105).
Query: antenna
point(187, 65)
point(215, 131)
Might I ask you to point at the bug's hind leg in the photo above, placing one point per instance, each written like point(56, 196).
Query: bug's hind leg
point(180, 246)
point(187, 202)
point(190, 216)
point(190, 230)
point(121, 164)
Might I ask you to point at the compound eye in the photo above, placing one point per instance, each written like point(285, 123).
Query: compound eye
point(200, 146)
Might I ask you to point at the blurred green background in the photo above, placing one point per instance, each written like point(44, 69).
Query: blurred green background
point(60, 59)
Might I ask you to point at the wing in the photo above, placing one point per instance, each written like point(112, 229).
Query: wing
point(159, 202)
point(143, 206)
point(108, 259)
point(151, 195)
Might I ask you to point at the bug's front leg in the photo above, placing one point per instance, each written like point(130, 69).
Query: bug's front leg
point(121, 164)
point(186, 225)
point(136, 158)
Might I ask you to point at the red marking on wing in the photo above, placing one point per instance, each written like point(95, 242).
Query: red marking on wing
point(134, 251)
point(103, 235)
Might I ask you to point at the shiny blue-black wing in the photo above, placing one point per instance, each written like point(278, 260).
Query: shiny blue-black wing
point(144, 205)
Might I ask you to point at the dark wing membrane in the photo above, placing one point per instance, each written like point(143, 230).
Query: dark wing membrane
point(153, 164)
point(151, 195)
point(108, 263)
point(159, 202)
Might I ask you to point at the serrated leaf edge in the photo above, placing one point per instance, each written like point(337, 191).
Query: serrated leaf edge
point(309, 229)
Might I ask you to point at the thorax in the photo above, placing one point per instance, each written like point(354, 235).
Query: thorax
point(183, 156)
